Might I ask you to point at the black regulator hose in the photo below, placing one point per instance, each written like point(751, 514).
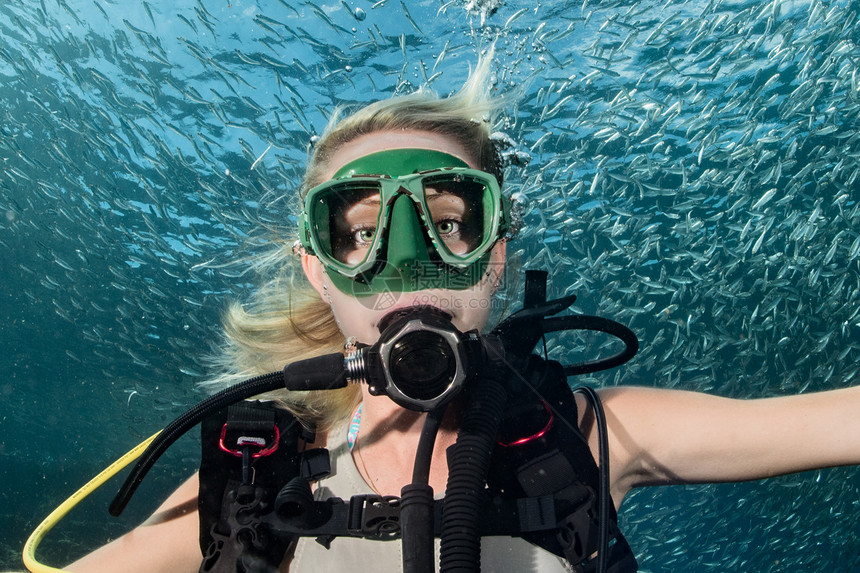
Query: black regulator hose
point(416, 502)
point(598, 323)
point(603, 498)
point(468, 464)
point(320, 373)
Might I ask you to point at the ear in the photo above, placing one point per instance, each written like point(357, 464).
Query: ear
point(500, 252)
point(314, 271)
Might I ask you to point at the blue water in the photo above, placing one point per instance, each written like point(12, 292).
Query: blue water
point(694, 174)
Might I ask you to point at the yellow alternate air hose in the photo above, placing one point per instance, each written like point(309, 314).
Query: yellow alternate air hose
point(65, 507)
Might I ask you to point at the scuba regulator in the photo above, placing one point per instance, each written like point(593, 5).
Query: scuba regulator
point(421, 361)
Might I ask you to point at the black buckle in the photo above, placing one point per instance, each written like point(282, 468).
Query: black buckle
point(577, 534)
point(315, 464)
point(374, 517)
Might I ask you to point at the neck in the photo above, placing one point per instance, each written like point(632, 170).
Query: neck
point(388, 439)
point(380, 416)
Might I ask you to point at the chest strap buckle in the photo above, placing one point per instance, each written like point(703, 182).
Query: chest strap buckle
point(374, 517)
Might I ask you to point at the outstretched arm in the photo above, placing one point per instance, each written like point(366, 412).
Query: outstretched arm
point(670, 437)
point(166, 543)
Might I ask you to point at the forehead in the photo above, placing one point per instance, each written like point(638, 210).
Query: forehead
point(385, 140)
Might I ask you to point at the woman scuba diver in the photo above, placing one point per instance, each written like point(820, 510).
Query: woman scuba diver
point(402, 210)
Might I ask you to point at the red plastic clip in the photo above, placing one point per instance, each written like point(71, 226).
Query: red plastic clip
point(250, 441)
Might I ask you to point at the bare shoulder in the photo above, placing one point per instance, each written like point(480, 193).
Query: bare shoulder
point(621, 407)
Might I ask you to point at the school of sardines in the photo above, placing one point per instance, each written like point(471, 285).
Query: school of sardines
point(688, 168)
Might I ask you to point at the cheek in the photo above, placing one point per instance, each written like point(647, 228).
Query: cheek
point(478, 308)
point(482, 294)
point(476, 303)
point(353, 316)
point(472, 318)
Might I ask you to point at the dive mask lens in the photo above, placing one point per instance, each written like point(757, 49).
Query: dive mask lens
point(343, 218)
point(463, 214)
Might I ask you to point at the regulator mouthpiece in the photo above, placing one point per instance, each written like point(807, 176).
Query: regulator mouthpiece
point(419, 360)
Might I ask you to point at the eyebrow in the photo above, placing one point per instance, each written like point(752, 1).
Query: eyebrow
point(369, 199)
point(441, 194)
point(367, 202)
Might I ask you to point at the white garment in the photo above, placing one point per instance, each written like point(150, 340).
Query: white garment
point(348, 554)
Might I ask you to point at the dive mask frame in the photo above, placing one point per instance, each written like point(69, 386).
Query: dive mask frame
point(394, 183)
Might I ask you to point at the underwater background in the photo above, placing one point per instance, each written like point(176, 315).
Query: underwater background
point(691, 170)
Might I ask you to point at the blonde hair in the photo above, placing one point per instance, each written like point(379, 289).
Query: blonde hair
point(286, 320)
point(465, 117)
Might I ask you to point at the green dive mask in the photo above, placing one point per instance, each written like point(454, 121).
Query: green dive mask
point(404, 220)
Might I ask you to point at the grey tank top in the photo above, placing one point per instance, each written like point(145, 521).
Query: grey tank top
point(348, 555)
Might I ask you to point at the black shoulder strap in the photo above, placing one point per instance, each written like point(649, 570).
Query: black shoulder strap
point(249, 451)
point(553, 458)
